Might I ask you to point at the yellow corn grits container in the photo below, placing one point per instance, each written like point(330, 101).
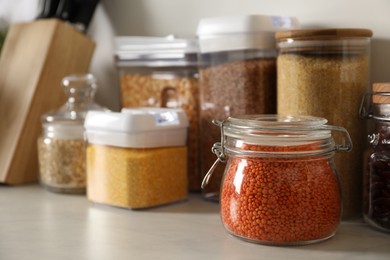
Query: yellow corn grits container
point(137, 158)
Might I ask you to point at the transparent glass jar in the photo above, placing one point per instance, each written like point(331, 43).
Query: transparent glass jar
point(376, 176)
point(280, 185)
point(324, 73)
point(237, 76)
point(61, 148)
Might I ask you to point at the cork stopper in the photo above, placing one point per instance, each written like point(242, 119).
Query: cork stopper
point(381, 87)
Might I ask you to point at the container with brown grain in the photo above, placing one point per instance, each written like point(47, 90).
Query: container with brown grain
point(280, 185)
point(162, 72)
point(237, 76)
point(325, 72)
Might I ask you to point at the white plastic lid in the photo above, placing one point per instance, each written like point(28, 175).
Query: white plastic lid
point(138, 127)
point(241, 32)
point(155, 51)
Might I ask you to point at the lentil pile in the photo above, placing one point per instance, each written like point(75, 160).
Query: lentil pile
point(280, 200)
point(228, 89)
point(138, 90)
point(136, 178)
point(62, 164)
point(329, 86)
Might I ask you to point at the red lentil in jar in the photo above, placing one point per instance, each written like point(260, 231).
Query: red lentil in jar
point(280, 184)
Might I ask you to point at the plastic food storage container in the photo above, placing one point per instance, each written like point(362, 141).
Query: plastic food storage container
point(325, 72)
point(137, 158)
point(61, 148)
point(162, 72)
point(376, 176)
point(237, 75)
point(280, 185)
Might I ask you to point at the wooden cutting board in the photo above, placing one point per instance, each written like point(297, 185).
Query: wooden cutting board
point(34, 59)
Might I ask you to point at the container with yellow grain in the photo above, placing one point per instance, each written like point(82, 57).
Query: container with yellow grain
point(137, 158)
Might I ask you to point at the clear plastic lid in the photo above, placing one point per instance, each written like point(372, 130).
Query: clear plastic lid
point(155, 51)
point(241, 32)
point(138, 127)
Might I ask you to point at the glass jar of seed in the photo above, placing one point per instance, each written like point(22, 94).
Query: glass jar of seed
point(325, 72)
point(237, 75)
point(376, 171)
point(280, 185)
point(61, 147)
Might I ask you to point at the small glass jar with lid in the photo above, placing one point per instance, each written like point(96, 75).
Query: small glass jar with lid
point(376, 172)
point(61, 147)
point(280, 185)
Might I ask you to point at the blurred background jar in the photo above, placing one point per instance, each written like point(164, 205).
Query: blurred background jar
point(162, 72)
point(61, 148)
point(325, 72)
point(237, 76)
point(376, 176)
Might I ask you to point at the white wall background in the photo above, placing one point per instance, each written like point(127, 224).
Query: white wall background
point(180, 17)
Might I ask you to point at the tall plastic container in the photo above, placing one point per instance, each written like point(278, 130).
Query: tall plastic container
point(237, 76)
point(162, 72)
point(324, 73)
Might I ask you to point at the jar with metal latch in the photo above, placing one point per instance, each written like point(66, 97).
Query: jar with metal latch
point(280, 185)
point(376, 178)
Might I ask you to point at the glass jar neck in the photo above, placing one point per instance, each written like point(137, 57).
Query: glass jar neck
point(79, 98)
point(80, 90)
point(279, 136)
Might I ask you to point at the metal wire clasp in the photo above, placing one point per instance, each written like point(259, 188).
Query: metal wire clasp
point(365, 109)
point(219, 150)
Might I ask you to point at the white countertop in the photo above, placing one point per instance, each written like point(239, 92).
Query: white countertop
point(38, 224)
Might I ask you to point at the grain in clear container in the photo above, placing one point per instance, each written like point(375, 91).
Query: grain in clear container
point(162, 72)
point(237, 75)
point(137, 158)
point(325, 72)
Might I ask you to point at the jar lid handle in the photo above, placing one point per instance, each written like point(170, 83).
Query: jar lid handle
point(345, 143)
point(218, 150)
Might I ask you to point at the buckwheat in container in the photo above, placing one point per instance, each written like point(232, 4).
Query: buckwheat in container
point(162, 72)
point(237, 76)
point(137, 158)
